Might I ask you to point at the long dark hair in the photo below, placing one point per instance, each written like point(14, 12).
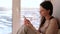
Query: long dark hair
point(48, 6)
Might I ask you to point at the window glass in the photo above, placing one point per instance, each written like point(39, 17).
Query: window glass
point(5, 16)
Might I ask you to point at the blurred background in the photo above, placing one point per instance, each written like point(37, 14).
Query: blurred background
point(5, 16)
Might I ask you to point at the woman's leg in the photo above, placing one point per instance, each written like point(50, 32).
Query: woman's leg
point(25, 30)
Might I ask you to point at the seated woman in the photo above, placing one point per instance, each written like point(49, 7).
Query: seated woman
point(48, 23)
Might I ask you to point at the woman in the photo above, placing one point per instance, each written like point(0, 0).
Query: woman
point(48, 23)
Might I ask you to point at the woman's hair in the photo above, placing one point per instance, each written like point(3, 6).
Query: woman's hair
point(48, 6)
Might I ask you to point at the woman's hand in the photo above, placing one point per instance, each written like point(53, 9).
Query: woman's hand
point(27, 23)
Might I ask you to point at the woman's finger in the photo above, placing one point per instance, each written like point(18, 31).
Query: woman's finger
point(26, 21)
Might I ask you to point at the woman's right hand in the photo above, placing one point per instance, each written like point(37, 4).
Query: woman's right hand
point(27, 23)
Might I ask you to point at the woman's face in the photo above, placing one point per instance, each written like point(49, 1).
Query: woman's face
point(43, 11)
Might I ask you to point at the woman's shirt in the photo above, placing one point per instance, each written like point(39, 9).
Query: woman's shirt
point(50, 27)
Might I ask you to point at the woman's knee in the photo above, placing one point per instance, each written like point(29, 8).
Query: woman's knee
point(22, 29)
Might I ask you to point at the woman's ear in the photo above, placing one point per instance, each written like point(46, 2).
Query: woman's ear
point(48, 11)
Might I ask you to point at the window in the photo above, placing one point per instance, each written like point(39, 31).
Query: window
point(30, 9)
point(5, 16)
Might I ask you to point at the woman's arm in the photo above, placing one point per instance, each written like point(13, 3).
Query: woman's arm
point(37, 32)
point(28, 24)
point(53, 27)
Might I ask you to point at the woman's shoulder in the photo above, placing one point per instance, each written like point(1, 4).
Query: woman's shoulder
point(53, 21)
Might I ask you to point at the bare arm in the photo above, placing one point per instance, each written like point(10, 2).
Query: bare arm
point(33, 28)
point(53, 27)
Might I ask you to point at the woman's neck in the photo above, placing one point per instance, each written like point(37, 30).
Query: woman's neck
point(47, 17)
